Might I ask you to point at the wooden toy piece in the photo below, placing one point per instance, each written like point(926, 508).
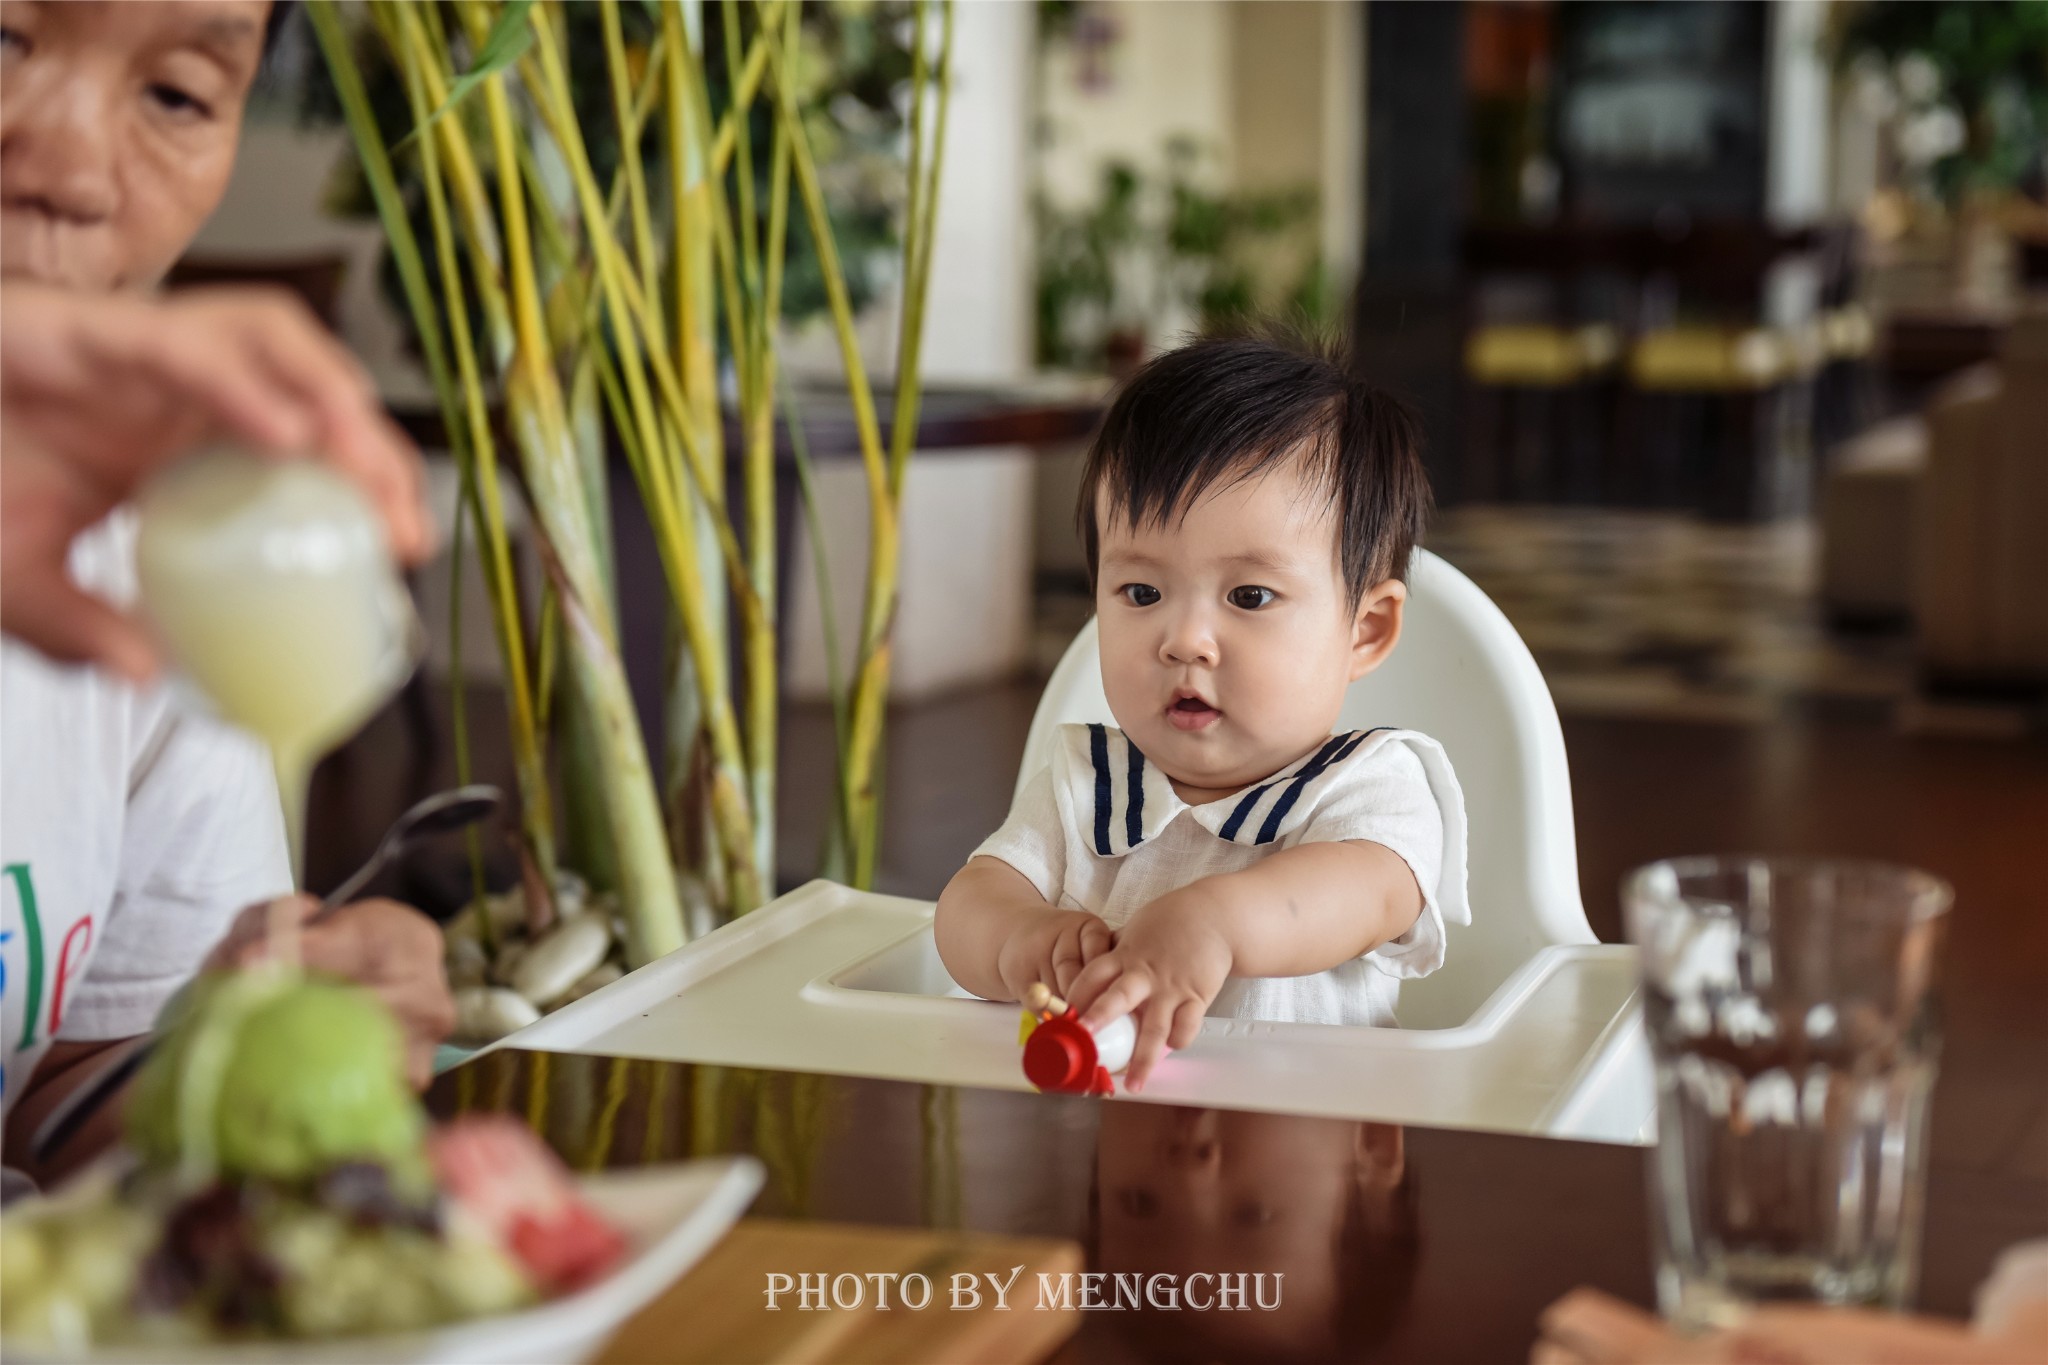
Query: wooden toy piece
point(1040, 1004)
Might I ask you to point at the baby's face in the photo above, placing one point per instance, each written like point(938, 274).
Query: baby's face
point(1228, 638)
point(1185, 1191)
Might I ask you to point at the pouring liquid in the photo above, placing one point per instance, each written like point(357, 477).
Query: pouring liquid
point(273, 590)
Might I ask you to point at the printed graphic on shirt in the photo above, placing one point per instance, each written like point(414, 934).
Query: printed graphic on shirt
point(24, 966)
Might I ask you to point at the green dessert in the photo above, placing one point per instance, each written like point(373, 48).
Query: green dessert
point(286, 1184)
point(265, 1077)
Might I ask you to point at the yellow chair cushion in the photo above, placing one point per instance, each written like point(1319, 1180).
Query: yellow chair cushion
point(1536, 355)
point(1848, 332)
point(1710, 359)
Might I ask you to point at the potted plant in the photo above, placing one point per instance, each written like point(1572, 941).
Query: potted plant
point(1966, 90)
point(590, 218)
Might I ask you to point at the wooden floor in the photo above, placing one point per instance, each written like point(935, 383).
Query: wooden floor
point(1974, 811)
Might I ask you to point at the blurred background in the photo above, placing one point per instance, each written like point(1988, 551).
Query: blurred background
point(1725, 319)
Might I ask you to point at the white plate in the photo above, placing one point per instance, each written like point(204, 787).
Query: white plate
point(671, 1215)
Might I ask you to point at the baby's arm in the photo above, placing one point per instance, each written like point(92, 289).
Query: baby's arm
point(1311, 907)
point(997, 935)
point(1298, 912)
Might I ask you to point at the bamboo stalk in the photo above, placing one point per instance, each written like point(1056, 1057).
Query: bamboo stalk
point(919, 235)
point(763, 662)
point(629, 311)
point(748, 324)
point(480, 443)
point(594, 306)
point(871, 676)
point(902, 432)
point(917, 246)
point(728, 800)
point(472, 456)
point(629, 151)
point(695, 351)
point(535, 408)
point(870, 687)
point(834, 862)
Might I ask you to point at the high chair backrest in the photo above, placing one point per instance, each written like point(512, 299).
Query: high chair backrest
point(1462, 675)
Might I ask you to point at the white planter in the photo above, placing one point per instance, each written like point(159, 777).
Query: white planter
point(965, 612)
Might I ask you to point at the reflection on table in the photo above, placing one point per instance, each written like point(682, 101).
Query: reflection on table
point(1394, 1244)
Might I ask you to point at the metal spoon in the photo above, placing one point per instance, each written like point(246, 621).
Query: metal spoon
point(442, 813)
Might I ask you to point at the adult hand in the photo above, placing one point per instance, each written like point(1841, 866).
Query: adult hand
point(1170, 960)
point(97, 392)
point(390, 949)
point(1052, 948)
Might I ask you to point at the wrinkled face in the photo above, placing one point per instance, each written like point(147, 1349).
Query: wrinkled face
point(1228, 637)
point(118, 125)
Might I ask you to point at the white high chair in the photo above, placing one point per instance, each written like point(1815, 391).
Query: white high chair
point(1463, 676)
point(1530, 1027)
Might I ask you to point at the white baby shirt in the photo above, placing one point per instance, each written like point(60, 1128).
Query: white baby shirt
point(1102, 830)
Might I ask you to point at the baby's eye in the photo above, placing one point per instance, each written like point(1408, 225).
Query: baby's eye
point(1139, 594)
point(13, 40)
point(1251, 598)
point(1252, 1215)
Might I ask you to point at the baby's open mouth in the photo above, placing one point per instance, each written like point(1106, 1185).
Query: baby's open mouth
point(1191, 713)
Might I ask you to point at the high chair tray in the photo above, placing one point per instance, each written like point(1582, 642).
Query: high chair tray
point(827, 979)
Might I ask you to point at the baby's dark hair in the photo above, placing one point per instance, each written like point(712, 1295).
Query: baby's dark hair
point(1226, 408)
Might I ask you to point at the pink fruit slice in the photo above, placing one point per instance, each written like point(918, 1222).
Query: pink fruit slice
point(508, 1181)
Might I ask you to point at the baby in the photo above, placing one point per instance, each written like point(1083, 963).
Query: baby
point(1248, 512)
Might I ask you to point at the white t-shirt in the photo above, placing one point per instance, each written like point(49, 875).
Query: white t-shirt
point(1102, 830)
point(131, 832)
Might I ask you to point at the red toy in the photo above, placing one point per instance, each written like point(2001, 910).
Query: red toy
point(1061, 1055)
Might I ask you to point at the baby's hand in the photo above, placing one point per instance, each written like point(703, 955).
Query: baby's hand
point(1052, 949)
point(1168, 963)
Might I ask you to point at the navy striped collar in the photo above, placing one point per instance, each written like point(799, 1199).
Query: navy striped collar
point(1121, 800)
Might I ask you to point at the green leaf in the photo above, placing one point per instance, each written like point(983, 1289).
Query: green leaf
point(505, 44)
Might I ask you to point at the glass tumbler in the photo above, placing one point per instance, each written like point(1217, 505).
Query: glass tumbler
point(1790, 1009)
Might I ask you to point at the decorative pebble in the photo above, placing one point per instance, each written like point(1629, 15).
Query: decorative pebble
point(507, 910)
point(572, 893)
point(598, 978)
point(484, 1014)
point(467, 963)
point(507, 961)
point(560, 958)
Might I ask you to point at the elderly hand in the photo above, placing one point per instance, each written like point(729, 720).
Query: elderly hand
point(390, 949)
point(97, 392)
